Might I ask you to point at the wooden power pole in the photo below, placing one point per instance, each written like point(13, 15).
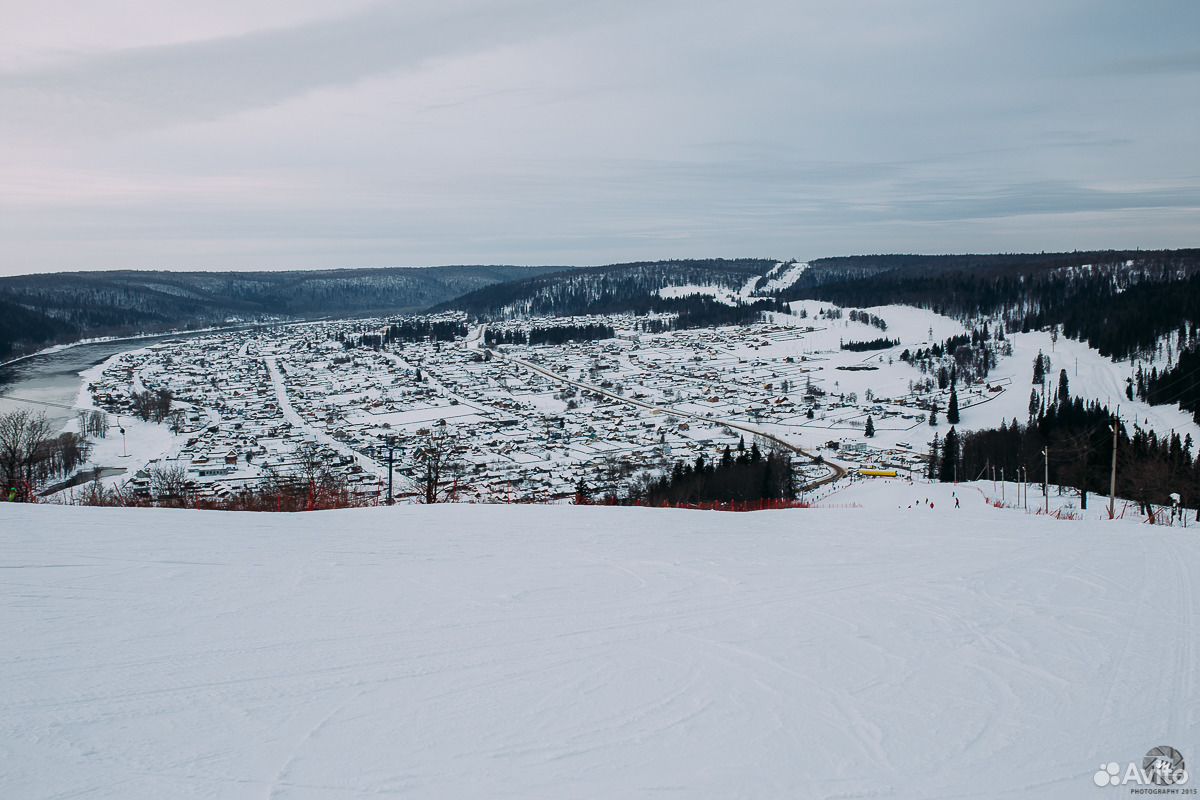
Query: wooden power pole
point(1046, 480)
point(1112, 476)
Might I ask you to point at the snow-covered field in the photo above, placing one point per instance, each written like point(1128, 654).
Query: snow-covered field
point(567, 652)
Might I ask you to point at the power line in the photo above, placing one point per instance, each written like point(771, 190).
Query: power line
point(36, 402)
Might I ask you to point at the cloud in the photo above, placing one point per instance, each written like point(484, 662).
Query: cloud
point(201, 80)
point(1167, 64)
point(436, 131)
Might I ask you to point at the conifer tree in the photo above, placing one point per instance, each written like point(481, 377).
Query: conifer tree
point(949, 462)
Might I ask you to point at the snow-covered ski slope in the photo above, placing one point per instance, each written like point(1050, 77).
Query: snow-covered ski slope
point(1090, 375)
point(783, 275)
point(555, 652)
point(779, 277)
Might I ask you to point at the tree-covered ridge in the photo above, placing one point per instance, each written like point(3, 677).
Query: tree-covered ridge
point(619, 288)
point(39, 310)
point(1120, 302)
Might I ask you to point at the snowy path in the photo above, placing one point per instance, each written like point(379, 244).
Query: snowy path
point(290, 414)
point(474, 651)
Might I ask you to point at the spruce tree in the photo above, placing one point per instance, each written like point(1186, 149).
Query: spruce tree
point(933, 416)
point(952, 409)
point(1039, 372)
point(870, 431)
point(583, 494)
point(946, 470)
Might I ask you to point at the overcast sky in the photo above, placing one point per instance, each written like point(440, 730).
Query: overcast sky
point(230, 134)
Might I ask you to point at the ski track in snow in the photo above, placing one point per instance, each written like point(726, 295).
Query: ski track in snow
point(515, 651)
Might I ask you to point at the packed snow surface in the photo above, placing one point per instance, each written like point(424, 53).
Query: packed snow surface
point(886, 649)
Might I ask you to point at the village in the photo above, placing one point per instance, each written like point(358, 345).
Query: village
point(519, 422)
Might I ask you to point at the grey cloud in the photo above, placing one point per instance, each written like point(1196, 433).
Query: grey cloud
point(1050, 197)
point(1170, 63)
point(576, 131)
point(212, 78)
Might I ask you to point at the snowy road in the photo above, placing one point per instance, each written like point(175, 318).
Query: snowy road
point(474, 651)
point(370, 466)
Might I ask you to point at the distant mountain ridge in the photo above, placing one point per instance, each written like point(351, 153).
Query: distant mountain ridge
point(1120, 301)
point(39, 310)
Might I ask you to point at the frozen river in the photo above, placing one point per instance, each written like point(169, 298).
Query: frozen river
point(50, 381)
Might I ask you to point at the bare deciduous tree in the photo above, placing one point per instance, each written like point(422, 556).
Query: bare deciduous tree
point(438, 467)
point(170, 486)
point(23, 439)
point(152, 406)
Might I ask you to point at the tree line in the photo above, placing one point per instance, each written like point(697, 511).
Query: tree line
point(881, 343)
point(1078, 438)
point(1177, 384)
point(416, 329)
point(867, 318)
point(744, 475)
point(550, 334)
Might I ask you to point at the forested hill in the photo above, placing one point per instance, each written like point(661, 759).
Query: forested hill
point(609, 289)
point(39, 310)
point(1120, 301)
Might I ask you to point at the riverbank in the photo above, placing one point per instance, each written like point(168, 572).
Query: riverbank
point(58, 348)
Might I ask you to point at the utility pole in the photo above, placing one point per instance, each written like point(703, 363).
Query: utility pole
point(391, 497)
point(1046, 481)
point(1112, 477)
point(1002, 485)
